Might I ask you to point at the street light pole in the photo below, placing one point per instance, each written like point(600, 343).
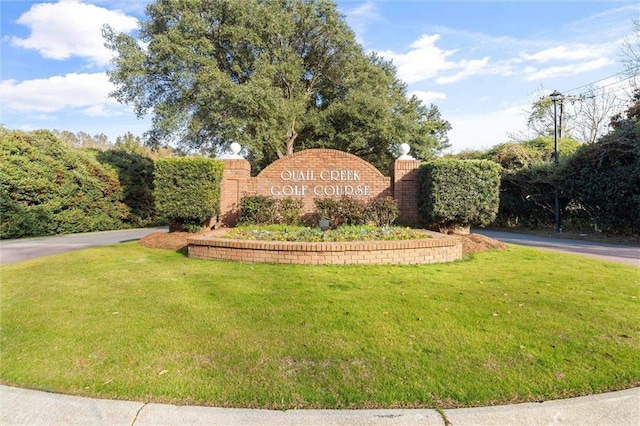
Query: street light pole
point(555, 97)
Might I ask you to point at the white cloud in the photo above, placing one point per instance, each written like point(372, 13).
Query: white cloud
point(87, 91)
point(567, 70)
point(425, 60)
point(71, 28)
point(564, 53)
point(361, 17)
point(469, 68)
point(428, 97)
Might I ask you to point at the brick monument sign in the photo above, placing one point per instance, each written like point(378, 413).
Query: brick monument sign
point(321, 173)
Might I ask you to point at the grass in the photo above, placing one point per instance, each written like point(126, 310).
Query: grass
point(128, 322)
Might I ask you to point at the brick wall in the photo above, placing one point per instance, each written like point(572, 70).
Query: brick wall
point(320, 173)
point(404, 186)
point(437, 249)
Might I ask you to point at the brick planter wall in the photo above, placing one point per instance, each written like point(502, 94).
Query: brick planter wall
point(434, 249)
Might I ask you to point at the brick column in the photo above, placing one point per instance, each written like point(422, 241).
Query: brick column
point(404, 185)
point(235, 179)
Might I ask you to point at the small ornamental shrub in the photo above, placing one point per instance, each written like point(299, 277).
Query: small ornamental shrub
point(341, 211)
point(382, 211)
point(263, 210)
point(257, 210)
point(314, 234)
point(187, 190)
point(459, 193)
point(289, 210)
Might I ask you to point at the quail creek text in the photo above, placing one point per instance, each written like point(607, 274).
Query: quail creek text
point(300, 183)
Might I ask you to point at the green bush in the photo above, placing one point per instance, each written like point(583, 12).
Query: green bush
point(347, 211)
point(459, 193)
point(49, 188)
point(382, 211)
point(289, 210)
point(262, 210)
point(527, 196)
point(187, 190)
point(135, 172)
point(604, 181)
point(341, 211)
point(257, 210)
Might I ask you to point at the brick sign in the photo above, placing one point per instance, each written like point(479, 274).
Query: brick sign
point(319, 173)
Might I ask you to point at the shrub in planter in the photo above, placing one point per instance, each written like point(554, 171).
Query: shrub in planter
point(382, 211)
point(187, 190)
point(263, 210)
point(352, 211)
point(341, 211)
point(257, 210)
point(289, 210)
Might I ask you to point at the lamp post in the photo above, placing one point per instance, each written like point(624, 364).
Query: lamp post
point(555, 97)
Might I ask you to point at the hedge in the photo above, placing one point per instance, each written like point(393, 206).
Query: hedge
point(458, 193)
point(187, 190)
point(135, 173)
point(47, 187)
point(603, 180)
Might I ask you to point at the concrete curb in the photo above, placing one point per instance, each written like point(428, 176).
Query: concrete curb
point(27, 407)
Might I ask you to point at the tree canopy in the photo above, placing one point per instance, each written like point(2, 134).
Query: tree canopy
point(273, 75)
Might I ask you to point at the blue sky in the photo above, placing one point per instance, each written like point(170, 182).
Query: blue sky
point(481, 62)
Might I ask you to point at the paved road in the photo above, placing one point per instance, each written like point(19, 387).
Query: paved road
point(29, 248)
point(612, 252)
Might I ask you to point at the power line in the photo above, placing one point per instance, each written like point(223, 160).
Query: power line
point(613, 83)
point(637, 67)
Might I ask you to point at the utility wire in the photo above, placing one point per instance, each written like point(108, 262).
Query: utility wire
point(637, 67)
point(613, 83)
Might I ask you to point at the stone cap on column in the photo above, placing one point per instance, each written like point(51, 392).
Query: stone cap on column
point(404, 152)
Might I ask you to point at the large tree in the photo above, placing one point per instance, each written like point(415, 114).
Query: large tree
point(270, 74)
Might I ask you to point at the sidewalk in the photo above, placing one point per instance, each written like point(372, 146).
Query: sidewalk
point(24, 407)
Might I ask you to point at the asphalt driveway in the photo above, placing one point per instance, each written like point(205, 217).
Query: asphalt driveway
point(612, 252)
point(29, 248)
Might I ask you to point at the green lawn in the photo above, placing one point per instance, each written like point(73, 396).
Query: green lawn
point(130, 322)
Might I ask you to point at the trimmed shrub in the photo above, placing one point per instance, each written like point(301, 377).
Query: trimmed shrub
point(187, 190)
point(527, 196)
point(263, 210)
point(49, 188)
point(459, 193)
